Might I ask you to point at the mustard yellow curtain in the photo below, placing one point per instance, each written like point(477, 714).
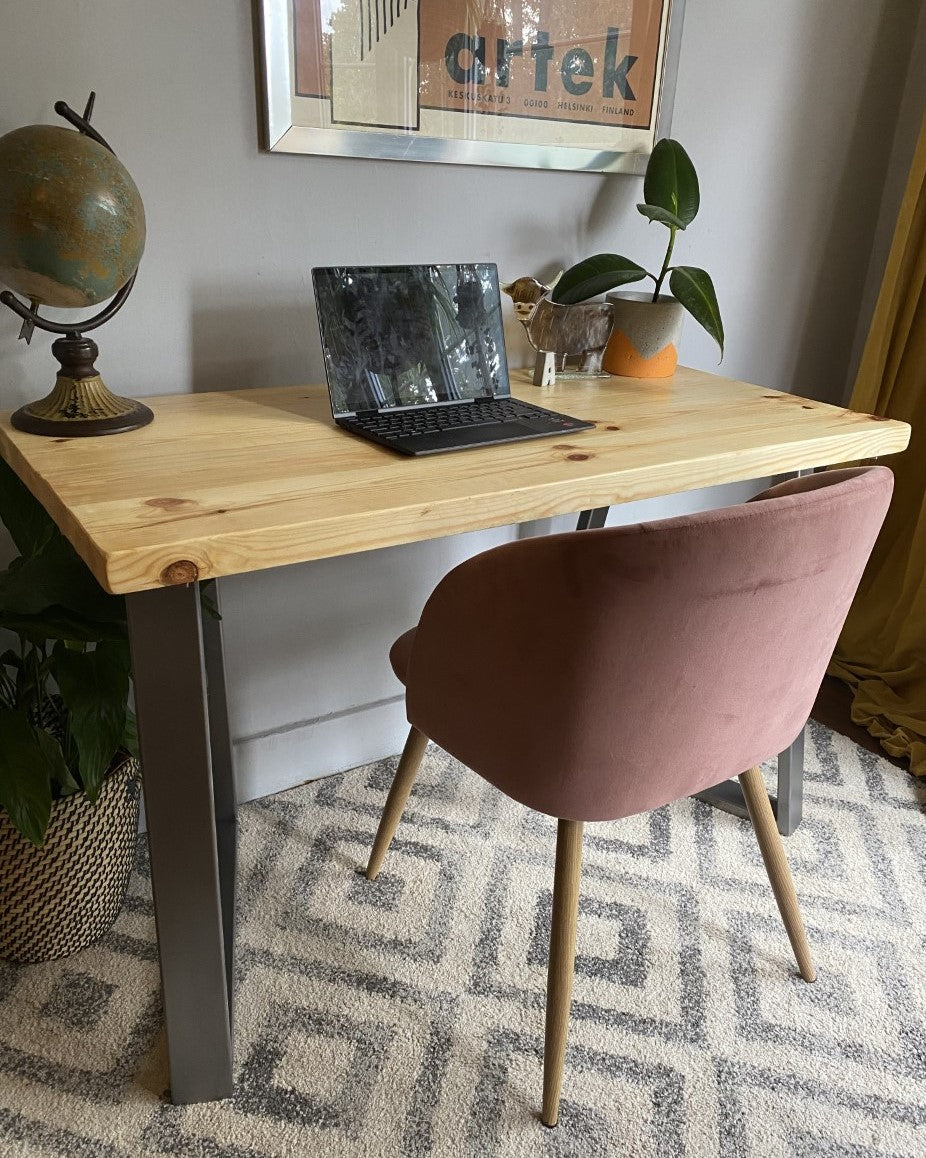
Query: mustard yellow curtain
point(882, 650)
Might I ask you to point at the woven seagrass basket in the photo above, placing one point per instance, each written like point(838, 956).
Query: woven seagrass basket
point(60, 898)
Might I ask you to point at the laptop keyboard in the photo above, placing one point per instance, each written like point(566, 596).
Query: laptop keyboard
point(433, 420)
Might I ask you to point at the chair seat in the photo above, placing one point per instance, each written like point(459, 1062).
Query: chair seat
point(401, 653)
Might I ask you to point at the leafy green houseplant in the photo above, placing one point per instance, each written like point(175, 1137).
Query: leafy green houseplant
point(64, 684)
point(672, 199)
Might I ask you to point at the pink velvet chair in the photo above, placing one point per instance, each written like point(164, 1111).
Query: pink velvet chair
point(598, 674)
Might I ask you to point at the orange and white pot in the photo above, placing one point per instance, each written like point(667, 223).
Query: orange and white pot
point(644, 341)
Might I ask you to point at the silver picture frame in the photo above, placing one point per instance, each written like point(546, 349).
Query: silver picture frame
point(282, 133)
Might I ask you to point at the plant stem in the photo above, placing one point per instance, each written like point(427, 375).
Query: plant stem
point(665, 265)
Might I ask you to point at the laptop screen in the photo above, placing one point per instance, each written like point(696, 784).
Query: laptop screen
point(410, 335)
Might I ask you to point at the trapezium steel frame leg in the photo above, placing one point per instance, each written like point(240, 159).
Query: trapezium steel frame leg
point(223, 782)
point(193, 888)
point(787, 805)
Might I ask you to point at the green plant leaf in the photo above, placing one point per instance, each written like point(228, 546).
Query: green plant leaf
point(595, 275)
point(59, 623)
point(31, 681)
point(94, 686)
point(657, 213)
point(26, 772)
point(671, 182)
point(130, 735)
point(695, 290)
point(57, 576)
point(54, 757)
point(49, 573)
point(29, 524)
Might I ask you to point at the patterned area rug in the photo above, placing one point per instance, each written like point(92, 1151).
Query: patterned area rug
point(405, 1017)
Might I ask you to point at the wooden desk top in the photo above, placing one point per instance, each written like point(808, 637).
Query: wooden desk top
point(247, 479)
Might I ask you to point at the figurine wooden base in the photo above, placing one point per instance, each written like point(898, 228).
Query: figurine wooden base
point(544, 369)
point(80, 404)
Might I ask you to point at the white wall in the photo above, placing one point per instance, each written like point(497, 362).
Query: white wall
point(788, 111)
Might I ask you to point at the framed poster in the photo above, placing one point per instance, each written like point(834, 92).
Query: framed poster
point(552, 84)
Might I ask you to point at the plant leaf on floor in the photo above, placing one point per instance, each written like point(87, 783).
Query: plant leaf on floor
point(56, 576)
point(56, 622)
point(26, 772)
point(95, 687)
point(130, 735)
point(30, 526)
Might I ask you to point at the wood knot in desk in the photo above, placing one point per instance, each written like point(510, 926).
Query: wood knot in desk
point(169, 504)
point(179, 573)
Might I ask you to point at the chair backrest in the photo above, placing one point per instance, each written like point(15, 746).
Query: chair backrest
point(597, 674)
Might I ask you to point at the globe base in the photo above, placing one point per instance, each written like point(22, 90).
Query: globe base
point(80, 405)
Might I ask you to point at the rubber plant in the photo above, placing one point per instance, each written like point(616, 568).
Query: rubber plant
point(64, 684)
point(671, 197)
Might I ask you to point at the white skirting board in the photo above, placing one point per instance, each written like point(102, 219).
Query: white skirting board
point(281, 759)
point(274, 761)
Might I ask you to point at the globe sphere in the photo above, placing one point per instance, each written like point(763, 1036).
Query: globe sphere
point(72, 223)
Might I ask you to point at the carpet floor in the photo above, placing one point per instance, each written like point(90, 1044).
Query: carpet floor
point(405, 1017)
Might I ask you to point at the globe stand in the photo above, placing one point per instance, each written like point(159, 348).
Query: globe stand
point(80, 403)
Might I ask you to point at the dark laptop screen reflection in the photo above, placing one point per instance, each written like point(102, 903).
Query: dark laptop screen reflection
point(411, 335)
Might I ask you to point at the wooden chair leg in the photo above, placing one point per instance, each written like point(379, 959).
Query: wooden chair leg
point(396, 800)
point(562, 961)
point(776, 865)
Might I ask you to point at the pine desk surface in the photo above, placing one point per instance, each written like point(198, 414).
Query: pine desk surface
point(227, 482)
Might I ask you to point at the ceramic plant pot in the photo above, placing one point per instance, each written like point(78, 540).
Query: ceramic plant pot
point(60, 898)
point(644, 341)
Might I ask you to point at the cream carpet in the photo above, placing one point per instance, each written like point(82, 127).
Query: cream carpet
point(405, 1017)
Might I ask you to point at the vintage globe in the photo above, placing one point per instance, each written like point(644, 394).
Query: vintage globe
point(72, 223)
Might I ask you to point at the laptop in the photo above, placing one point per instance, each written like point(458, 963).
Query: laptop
point(415, 358)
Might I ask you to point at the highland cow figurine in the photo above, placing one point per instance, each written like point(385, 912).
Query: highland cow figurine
point(557, 331)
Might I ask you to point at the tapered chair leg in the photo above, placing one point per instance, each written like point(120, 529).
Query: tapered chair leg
point(776, 865)
point(562, 961)
point(397, 798)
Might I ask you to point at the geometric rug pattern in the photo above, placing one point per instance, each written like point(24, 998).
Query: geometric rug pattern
point(404, 1017)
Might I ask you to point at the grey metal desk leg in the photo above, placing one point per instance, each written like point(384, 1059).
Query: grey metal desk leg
point(790, 802)
point(728, 797)
point(223, 783)
point(165, 632)
point(787, 805)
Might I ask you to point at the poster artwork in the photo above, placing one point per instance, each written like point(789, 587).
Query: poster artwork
point(553, 71)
